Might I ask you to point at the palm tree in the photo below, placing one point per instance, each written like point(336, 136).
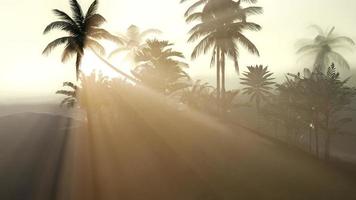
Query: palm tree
point(318, 98)
point(160, 67)
point(221, 28)
point(83, 32)
point(324, 46)
point(77, 95)
point(258, 81)
point(333, 97)
point(133, 41)
point(71, 99)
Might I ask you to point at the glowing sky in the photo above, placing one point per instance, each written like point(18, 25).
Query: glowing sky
point(25, 73)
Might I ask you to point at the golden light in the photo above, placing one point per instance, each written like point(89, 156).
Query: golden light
point(91, 63)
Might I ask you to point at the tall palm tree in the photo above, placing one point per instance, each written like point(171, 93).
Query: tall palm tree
point(221, 26)
point(83, 32)
point(133, 41)
point(324, 47)
point(160, 67)
point(258, 81)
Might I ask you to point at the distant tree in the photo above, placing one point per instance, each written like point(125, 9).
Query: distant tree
point(84, 31)
point(160, 67)
point(220, 28)
point(324, 46)
point(335, 97)
point(317, 99)
point(198, 95)
point(258, 81)
point(77, 95)
point(133, 41)
point(71, 99)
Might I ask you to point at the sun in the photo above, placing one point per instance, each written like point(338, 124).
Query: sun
point(91, 62)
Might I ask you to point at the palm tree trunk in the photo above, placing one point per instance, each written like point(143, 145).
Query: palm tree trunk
point(114, 68)
point(223, 90)
point(77, 64)
point(218, 79)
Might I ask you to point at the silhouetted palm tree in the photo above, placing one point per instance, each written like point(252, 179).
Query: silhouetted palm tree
point(324, 46)
point(133, 40)
point(95, 81)
point(160, 67)
point(71, 98)
point(258, 81)
point(84, 31)
point(221, 26)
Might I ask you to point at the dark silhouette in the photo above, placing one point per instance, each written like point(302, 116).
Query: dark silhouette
point(84, 31)
point(220, 28)
point(71, 99)
point(258, 81)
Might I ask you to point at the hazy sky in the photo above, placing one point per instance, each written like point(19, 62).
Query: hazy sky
point(25, 73)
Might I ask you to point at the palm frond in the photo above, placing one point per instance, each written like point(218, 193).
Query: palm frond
point(251, 26)
point(194, 16)
point(61, 25)
point(98, 33)
point(253, 10)
point(56, 43)
point(70, 84)
point(341, 39)
point(249, 1)
point(307, 48)
point(96, 46)
point(203, 46)
point(247, 44)
point(194, 6)
point(92, 9)
point(94, 20)
point(64, 16)
point(68, 52)
point(77, 12)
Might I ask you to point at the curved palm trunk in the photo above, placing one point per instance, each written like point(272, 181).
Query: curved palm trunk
point(218, 95)
point(114, 68)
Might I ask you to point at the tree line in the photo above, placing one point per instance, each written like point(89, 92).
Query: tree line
point(313, 101)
